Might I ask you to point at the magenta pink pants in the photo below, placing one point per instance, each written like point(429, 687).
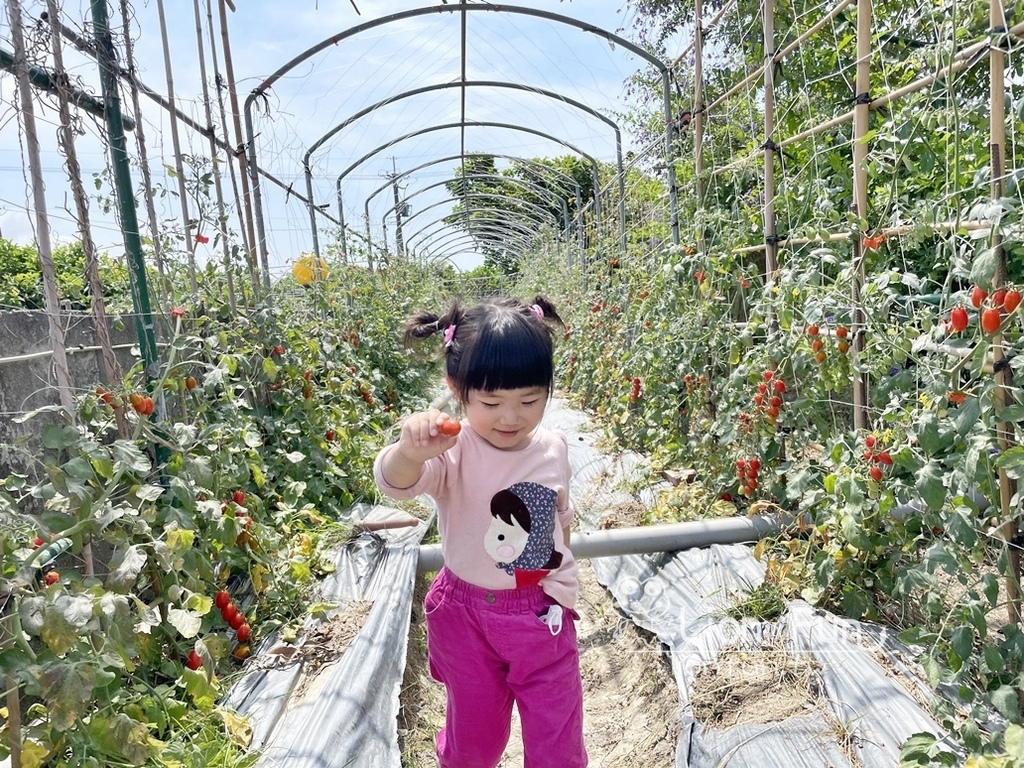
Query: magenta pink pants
point(490, 648)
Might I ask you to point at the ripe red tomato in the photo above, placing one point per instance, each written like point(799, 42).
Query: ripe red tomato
point(329, 435)
point(883, 457)
point(998, 298)
point(37, 542)
point(450, 427)
point(190, 382)
point(869, 441)
point(876, 473)
point(990, 321)
point(221, 599)
point(768, 375)
point(228, 612)
point(243, 632)
point(812, 330)
point(195, 661)
point(137, 401)
point(52, 577)
point(958, 319)
point(780, 386)
point(775, 402)
point(1011, 301)
point(754, 464)
point(842, 332)
point(978, 296)
point(238, 497)
point(237, 620)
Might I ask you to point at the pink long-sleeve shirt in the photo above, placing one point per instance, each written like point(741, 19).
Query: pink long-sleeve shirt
point(483, 494)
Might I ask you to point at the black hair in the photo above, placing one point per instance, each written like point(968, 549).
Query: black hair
point(499, 343)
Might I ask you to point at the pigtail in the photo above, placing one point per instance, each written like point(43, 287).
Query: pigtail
point(547, 309)
point(425, 324)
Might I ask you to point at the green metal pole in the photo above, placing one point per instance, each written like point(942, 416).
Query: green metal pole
point(123, 186)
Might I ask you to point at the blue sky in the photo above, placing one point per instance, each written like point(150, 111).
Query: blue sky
point(327, 89)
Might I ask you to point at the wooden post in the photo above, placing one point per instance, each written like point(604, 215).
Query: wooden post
point(861, 118)
point(51, 298)
point(241, 151)
point(176, 145)
point(222, 217)
point(1003, 373)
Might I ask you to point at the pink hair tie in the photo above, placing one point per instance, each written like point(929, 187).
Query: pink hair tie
point(449, 335)
point(537, 311)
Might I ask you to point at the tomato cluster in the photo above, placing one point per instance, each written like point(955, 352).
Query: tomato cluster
point(748, 473)
point(991, 310)
point(143, 404)
point(235, 619)
point(634, 392)
point(877, 458)
point(842, 336)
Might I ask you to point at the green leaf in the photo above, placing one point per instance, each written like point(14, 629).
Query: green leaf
point(969, 414)
point(128, 456)
point(1013, 741)
point(928, 435)
point(270, 368)
point(57, 633)
point(983, 269)
point(127, 565)
point(180, 539)
point(188, 623)
point(962, 641)
point(1004, 698)
point(252, 438)
point(57, 436)
point(993, 659)
point(79, 468)
point(929, 482)
point(937, 556)
point(149, 492)
point(295, 457)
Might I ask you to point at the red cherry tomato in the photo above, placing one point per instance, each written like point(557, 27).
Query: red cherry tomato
point(451, 427)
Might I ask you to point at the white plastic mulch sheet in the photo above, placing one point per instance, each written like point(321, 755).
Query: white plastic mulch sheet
point(870, 698)
point(314, 705)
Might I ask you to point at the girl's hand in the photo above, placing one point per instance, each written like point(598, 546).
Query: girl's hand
point(422, 436)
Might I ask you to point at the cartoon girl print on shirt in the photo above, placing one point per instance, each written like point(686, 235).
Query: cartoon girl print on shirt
point(521, 535)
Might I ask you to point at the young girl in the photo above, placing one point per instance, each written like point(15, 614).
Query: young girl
point(494, 614)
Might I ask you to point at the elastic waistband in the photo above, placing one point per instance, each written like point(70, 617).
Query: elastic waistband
point(524, 599)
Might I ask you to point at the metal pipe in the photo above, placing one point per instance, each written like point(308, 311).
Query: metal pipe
point(670, 537)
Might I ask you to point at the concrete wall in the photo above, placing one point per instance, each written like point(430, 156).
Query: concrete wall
point(27, 379)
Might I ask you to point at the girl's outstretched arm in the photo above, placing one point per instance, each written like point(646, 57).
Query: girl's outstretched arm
point(421, 441)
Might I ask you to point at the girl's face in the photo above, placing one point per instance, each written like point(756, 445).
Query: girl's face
point(506, 418)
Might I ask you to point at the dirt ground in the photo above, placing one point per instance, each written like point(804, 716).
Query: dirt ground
point(631, 703)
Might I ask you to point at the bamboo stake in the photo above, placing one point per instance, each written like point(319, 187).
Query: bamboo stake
point(862, 119)
point(727, 6)
point(887, 232)
point(241, 152)
point(965, 59)
point(140, 143)
point(51, 297)
point(176, 145)
point(66, 137)
point(218, 188)
point(231, 159)
point(782, 53)
point(1001, 396)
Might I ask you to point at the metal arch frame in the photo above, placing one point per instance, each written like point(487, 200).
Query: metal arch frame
point(463, 8)
point(308, 171)
point(476, 210)
point(526, 161)
point(427, 250)
point(520, 182)
point(436, 227)
point(451, 250)
point(476, 123)
point(424, 234)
